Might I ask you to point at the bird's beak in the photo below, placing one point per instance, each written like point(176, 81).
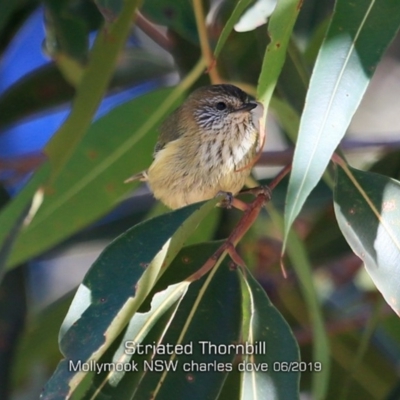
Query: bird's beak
point(247, 107)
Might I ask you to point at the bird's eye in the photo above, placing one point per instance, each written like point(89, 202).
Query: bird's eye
point(220, 106)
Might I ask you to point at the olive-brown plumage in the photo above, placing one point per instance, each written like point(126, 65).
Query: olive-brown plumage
point(205, 146)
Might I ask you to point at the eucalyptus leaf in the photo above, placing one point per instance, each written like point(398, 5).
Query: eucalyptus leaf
point(263, 324)
point(115, 287)
point(280, 29)
point(113, 148)
point(343, 69)
point(208, 316)
point(367, 210)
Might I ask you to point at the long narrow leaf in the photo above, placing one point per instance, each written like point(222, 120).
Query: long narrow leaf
point(280, 29)
point(367, 208)
point(359, 33)
point(91, 183)
point(263, 324)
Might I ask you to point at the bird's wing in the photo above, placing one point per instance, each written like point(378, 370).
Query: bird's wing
point(141, 176)
point(169, 131)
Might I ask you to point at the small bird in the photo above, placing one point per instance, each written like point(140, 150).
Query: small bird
point(206, 146)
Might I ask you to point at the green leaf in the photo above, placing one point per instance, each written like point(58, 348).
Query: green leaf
point(209, 314)
point(358, 35)
point(116, 286)
point(118, 383)
point(97, 170)
point(367, 210)
point(236, 13)
point(262, 323)
point(100, 387)
point(280, 29)
point(141, 323)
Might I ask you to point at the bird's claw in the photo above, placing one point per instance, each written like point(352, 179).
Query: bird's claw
point(227, 199)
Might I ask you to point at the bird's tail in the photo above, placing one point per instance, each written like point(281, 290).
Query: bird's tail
point(141, 176)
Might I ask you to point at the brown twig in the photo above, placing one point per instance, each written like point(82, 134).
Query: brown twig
point(280, 176)
point(204, 44)
point(249, 216)
point(275, 158)
point(153, 32)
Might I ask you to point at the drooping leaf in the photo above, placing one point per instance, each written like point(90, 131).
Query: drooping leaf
point(367, 210)
point(343, 69)
point(114, 289)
